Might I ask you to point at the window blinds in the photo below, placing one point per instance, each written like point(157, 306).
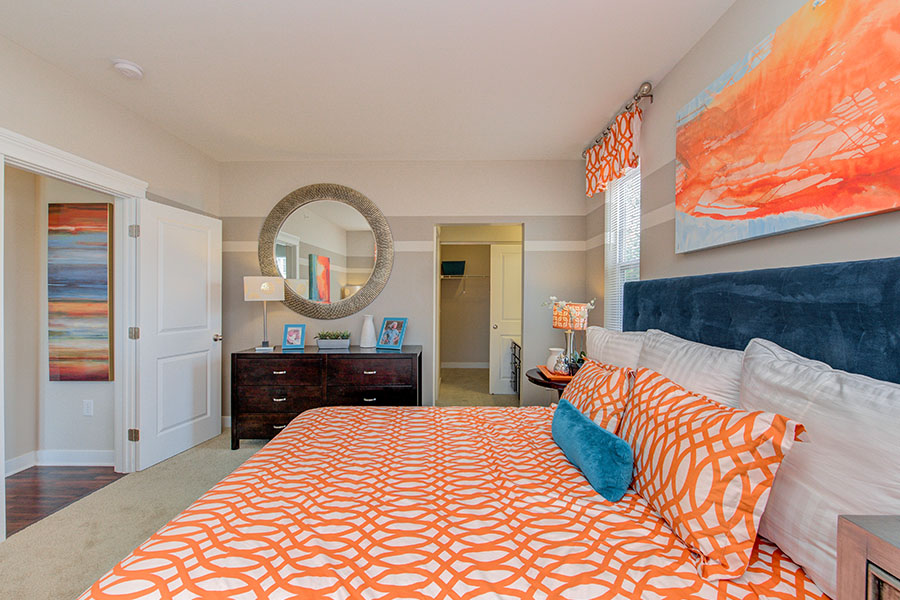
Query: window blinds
point(623, 243)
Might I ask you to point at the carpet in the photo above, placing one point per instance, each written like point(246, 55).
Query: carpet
point(60, 556)
point(469, 387)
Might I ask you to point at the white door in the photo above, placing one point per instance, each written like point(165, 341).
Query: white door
point(180, 319)
point(506, 313)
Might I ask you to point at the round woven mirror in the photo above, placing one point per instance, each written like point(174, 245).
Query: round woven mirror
point(332, 246)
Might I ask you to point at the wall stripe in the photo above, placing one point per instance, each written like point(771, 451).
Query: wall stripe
point(658, 216)
point(428, 246)
point(551, 246)
point(595, 242)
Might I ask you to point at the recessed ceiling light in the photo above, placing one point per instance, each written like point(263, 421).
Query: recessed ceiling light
point(128, 69)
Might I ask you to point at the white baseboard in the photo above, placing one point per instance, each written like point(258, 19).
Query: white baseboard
point(60, 458)
point(465, 365)
point(226, 422)
point(20, 463)
point(76, 458)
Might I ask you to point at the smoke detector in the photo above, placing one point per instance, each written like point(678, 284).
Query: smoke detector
point(128, 69)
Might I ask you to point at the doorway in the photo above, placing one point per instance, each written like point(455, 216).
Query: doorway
point(135, 271)
point(59, 366)
point(479, 314)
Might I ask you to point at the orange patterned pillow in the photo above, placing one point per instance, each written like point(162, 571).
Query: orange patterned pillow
point(600, 392)
point(705, 468)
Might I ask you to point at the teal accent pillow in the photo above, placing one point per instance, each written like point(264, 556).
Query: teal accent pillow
point(605, 459)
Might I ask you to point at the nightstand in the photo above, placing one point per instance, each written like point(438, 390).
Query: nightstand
point(868, 554)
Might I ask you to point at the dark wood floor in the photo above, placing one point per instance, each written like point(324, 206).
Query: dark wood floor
point(34, 493)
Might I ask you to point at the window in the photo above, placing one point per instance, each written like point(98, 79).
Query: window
point(623, 243)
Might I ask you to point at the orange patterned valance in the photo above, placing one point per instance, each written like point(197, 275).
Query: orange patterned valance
point(607, 161)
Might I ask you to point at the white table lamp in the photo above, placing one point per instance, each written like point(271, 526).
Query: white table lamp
point(264, 289)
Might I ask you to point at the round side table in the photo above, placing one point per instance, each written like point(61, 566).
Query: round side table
point(537, 378)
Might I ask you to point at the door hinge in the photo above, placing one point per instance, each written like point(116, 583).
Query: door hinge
point(134, 333)
point(134, 231)
point(134, 435)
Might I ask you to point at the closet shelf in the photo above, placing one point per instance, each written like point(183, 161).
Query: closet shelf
point(464, 276)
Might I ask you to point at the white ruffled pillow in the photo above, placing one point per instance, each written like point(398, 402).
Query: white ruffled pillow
point(706, 370)
point(848, 463)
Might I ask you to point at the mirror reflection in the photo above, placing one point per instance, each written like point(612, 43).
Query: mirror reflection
point(325, 250)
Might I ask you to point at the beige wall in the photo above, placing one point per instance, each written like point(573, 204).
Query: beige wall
point(62, 426)
point(547, 196)
point(595, 224)
point(43, 419)
point(40, 101)
point(466, 308)
point(746, 23)
point(21, 269)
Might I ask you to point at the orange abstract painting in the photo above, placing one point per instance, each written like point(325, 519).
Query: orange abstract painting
point(803, 131)
point(78, 291)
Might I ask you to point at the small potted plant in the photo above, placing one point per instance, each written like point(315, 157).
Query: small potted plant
point(331, 340)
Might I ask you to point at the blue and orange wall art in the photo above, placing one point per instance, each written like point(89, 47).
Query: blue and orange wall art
point(79, 279)
point(803, 131)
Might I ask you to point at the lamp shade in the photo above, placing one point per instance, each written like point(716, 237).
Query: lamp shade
point(263, 288)
point(571, 315)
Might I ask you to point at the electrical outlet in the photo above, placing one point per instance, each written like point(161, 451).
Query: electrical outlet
point(87, 407)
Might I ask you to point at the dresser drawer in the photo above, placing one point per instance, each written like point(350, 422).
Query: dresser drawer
point(263, 398)
point(279, 371)
point(370, 371)
point(373, 396)
point(263, 426)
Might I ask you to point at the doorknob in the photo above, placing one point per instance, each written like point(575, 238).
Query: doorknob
point(494, 326)
point(217, 337)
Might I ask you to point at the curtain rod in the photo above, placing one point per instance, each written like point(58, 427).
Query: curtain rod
point(645, 91)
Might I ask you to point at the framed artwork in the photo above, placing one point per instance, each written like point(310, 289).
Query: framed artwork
point(79, 280)
point(800, 132)
point(319, 278)
point(393, 330)
point(294, 337)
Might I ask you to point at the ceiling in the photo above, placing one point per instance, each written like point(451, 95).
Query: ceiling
point(358, 79)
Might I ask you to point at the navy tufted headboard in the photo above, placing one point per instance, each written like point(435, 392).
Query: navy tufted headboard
point(845, 314)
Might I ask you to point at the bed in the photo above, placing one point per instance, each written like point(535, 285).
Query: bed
point(368, 502)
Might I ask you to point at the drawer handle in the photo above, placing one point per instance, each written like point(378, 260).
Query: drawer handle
point(369, 372)
point(279, 399)
point(369, 399)
point(279, 372)
point(278, 427)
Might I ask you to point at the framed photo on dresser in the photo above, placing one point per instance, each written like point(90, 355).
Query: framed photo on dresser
point(393, 330)
point(294, 337)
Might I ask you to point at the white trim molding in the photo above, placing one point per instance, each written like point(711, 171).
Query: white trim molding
point(76, 458)
point(35, 156)
point(20, 463)
point(60, 458)
point(226, 422)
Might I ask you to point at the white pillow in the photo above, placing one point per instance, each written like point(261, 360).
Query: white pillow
point(616, 348)
point(848, 464)
point(707, 370)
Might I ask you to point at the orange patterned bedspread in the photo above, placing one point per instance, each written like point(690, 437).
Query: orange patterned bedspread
point(430, 503)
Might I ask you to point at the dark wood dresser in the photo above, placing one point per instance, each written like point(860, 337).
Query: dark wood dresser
point(269, 389)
